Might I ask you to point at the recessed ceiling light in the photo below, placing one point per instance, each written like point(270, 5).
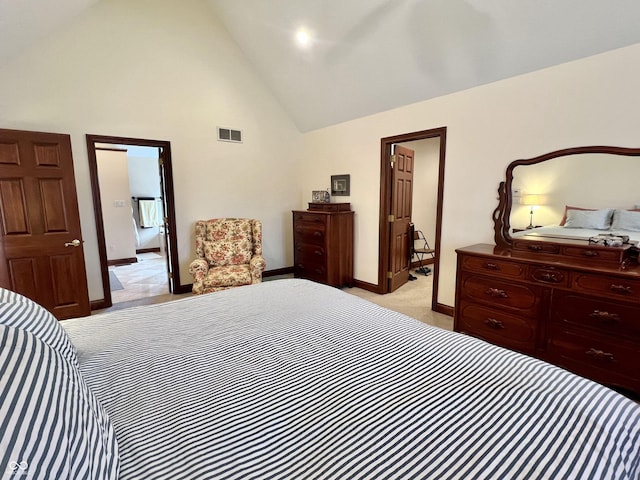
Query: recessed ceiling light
point(303, 37)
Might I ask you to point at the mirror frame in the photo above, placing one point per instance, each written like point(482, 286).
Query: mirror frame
point(501, 214)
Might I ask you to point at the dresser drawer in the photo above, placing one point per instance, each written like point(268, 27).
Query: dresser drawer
point(603, 254)
point(310, 253)
point(312, 234)
point(604, 316)
point(493, 291)
point(312, 270)
point(607, 361)
point(611, 286)
point(511, 331)
point(309, 219)
point(499, 267)
point(549, 275)
point(535, 247)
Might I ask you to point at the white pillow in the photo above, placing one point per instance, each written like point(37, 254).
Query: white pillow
point(626, 220)
point(55, 428)
point(595, 219)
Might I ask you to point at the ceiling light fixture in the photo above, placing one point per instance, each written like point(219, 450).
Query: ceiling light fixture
point(303, 37)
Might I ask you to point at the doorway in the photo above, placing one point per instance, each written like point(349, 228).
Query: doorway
point(104, 150)
point(386, 191)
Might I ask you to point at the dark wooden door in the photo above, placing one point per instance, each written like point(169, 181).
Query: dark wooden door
point(41, 248)
point(401, 205)
point(168, 246)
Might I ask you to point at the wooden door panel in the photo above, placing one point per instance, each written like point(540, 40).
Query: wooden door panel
point(47, 154)
point(407, 201)
point(53, 205)
point(9, 153)
point(401, 253)
point(23, 276)
point(40, 220)
point(63, 268)
point(398, 210)
point(14, 219)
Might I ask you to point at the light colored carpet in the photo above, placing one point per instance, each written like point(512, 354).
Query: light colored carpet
point(412, 299)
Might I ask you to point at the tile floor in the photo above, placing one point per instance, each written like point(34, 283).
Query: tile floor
point(144, 279)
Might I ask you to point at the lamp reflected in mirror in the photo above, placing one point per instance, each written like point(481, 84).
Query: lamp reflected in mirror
point(533, 200)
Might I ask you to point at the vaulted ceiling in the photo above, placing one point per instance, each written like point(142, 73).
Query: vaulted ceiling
point(367, 56)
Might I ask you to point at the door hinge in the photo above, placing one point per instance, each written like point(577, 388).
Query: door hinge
point(170, 275)
point(392, 159)
point(389, 275)
point(160, 161)
point(392, 218)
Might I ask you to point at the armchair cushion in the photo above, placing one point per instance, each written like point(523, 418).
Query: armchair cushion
point(227, 276)
point(227, 242)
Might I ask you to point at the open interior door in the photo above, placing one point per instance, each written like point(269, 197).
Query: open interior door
point(401, 205)
point(41, 247)
point(167, 247)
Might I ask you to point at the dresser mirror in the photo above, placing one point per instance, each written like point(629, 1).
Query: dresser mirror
point(537, 193)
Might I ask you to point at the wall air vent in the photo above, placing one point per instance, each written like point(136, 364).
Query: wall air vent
point(229, 135)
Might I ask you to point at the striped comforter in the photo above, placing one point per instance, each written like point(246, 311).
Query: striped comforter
point(293, 380)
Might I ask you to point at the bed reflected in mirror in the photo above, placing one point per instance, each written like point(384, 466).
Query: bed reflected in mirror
point(575, 193)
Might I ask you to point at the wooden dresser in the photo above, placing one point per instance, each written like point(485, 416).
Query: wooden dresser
point(578, 308)
point(323, 243)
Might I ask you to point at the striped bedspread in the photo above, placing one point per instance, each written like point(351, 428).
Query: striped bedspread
point(293, 380)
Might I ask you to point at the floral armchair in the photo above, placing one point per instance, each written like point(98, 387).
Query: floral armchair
point(229, 252)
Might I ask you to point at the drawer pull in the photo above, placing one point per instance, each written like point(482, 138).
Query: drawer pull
point(600, 355)
point(605, 317)
point(535, 248)
point(496, 293)
point(317, 234)
point(318, 252)
point(549, 277)
point(624, 289)
point(491, 266)
point(590, 253)
point(493, 323)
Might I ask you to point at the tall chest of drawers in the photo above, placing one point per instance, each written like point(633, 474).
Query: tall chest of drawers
point(323, 243)
point(583, 318)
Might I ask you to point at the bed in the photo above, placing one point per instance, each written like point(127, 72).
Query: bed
point(289, 379)
point(560, 232)
point(583, 224)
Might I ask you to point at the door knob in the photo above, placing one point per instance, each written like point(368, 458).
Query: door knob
point(73, 243)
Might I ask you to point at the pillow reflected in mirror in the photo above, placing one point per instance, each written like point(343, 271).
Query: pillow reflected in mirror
point(595, 219)
point(626, 220)
point(567, 208)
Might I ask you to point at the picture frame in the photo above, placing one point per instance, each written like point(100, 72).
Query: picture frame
point(320, 196)
point(340, 185)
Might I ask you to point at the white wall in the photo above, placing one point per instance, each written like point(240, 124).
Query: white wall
point(144, 181)
point(593, 101)
point(163, 70)
point(113, 174)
